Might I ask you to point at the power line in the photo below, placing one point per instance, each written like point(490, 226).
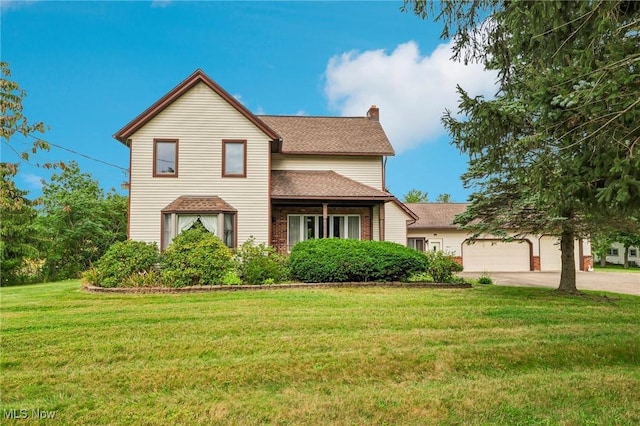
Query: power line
point(80, 154)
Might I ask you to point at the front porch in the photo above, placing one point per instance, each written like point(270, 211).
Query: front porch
point(293, 223)
point(323, 204)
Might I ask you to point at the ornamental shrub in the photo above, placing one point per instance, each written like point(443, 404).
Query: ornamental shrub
point(260, 264)
point(195, 257)
point(337, 260)
point(121, 261)
point(442, 267)
point(485, 279)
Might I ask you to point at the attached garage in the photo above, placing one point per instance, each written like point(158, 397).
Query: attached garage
point(497, 256)
point(436, 229)
point(550, 255)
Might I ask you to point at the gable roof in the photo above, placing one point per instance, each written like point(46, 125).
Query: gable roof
point(297, 184)
point(330, 135)
point(198, 204)
point(436, 215)
point(197, 77)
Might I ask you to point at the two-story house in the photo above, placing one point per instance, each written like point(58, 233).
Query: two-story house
point(197, 154)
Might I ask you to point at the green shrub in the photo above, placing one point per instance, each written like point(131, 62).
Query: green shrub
point(260, 264)
point(336, 260)
point(142, 279)
point(231, 278)
point(91, 276)
point(422, 277)
point(122, 260)
point(485, 279)
point(442, 267)
point(195, 257)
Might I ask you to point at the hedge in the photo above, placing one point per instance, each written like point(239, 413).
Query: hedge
point(338, 260)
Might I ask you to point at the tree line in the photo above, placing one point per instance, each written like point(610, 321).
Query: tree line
point(61, 233)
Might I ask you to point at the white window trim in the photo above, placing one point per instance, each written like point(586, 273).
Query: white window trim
point(318, 219)
point(209, 221)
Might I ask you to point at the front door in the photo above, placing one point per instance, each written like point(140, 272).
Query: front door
point(435, 245)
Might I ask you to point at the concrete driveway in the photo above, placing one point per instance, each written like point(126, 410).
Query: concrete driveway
point(616, 282)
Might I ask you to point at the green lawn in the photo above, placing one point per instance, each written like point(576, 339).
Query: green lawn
point(616, 268)
point(485, 355)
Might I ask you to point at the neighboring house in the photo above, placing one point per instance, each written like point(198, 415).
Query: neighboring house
point(616, 255)
point(434, 230)
point(198, 154)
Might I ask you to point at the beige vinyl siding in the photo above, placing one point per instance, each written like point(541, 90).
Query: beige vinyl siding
point(395, 223)
point(451, 240)
point(200, 119)
point(366, 170)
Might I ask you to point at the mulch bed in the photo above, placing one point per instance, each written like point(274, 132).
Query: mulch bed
point(207, 288)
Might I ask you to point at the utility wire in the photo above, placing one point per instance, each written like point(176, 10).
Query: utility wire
point(80, 154)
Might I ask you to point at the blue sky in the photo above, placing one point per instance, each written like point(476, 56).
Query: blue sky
point(90, 67)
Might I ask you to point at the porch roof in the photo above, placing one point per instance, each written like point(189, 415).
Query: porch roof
point(326, 185)
point(198, 204)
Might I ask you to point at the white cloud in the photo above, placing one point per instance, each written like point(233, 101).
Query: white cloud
point(33, 181)
point(160, 3)
point(412, 91)
point(6, 5)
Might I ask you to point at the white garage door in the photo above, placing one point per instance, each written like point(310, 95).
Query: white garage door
point(496, 256)
point(550, 259)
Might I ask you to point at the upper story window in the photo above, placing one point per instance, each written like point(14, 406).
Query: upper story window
point(165, 157)
point(234, 158)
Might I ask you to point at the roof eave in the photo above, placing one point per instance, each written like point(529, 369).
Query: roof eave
point(336, 153)
point(332, 197)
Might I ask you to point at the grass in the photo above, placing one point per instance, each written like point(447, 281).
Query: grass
point(616, 268)
point(485, 355)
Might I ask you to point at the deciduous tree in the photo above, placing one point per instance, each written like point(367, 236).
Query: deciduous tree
point(15, 123)
point(443, 198)
point(77, 222)
point(17, 242)
point(416, 196)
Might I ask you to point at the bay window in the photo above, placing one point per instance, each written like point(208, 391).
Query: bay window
point(175, 223)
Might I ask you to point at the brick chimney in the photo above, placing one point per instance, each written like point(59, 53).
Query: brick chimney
point(373, 113)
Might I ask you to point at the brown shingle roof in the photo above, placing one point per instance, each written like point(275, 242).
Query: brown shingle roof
point(198, 204)
point(329, 135)
point(436, 215)
point(289, 184)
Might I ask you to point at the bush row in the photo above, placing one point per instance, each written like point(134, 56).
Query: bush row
point(197, 257)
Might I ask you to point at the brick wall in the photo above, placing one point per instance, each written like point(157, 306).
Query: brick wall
point(587, 263)
point(279, 225)
point(536, 263)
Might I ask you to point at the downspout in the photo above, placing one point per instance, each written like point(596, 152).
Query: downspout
point(384, 172)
